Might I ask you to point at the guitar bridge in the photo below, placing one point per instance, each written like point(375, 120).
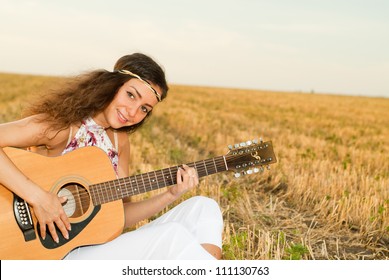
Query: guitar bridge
point(23, 218)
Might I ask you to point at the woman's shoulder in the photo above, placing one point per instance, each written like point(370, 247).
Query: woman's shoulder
point(32, 124)
point(29, 131)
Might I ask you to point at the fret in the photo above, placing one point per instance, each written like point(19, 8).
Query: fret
point(163, 177)
point(172, 177)
point(136, 177)
point(195, 167)
point(136, 189)
point(103, 193)
point(200, 170)
point(222, 164)
point(114, 190)
point(167, 177)
point(211, 168)
point(127, 186)
point(117, 189)
point(205, 166)
point(109, 191)
point(214, 163)
point(156, 179)
point(122, 187)
point(144, 185)
point(225, 162)
point(92, 191)
point(197, 170)
point(99, 200)
point(151, 182)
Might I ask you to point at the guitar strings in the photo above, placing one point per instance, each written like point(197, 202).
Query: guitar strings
point(101, 193)
point(114, 189)
point(141, 186)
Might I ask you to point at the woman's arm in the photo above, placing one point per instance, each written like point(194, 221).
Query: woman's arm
point(138, 211)
point(187, 178)
point(47, 206)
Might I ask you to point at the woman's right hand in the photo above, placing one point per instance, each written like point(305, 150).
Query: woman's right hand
point(50, 214)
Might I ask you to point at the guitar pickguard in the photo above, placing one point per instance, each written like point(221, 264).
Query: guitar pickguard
point(49, 243)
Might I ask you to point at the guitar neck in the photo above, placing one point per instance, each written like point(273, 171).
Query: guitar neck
point(125, 187)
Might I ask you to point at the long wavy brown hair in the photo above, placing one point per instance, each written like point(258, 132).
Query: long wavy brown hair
point(90, 93)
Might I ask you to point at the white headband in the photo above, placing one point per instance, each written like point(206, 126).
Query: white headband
point(144, 81)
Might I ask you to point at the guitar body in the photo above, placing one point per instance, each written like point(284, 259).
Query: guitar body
point(72, 173)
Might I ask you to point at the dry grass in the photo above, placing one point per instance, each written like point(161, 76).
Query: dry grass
point(326, 198)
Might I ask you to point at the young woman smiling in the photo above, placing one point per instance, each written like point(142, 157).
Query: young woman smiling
point(100, 108)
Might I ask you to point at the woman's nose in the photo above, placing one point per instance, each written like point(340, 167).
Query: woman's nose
point(131, 111)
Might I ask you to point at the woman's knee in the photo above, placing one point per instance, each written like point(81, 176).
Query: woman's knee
point(204, 202)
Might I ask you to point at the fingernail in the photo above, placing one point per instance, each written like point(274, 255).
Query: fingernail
point(57, 240)
point(67, 236)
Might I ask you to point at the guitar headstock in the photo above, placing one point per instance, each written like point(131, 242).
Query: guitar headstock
point(250, 157)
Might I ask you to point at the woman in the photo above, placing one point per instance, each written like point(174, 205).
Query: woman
point(100, 109)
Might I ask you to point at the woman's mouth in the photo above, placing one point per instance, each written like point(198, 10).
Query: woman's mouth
point(121, 118)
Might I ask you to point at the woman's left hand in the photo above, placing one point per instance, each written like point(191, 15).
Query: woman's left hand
point(187, 179)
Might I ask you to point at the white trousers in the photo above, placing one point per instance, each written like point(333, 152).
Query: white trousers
point(178, 234)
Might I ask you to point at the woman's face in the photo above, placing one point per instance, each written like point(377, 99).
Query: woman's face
point(132, 103)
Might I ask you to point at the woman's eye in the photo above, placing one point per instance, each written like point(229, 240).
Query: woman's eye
point(130, 95)
point(145, 109)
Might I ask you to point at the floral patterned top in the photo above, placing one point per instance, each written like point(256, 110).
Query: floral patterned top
point(92, 134)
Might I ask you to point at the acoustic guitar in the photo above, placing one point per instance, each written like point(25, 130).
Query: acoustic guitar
point(94, 205)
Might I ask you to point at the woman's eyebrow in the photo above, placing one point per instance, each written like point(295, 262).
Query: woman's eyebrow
point(140, 96)
point(137, 92)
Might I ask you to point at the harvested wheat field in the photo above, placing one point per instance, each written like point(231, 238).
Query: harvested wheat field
point(327, 197)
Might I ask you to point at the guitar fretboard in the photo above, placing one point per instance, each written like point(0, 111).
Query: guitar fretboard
point(125, 187)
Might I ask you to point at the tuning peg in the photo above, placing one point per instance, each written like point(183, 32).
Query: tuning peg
point(236, 146)
point(230, 147)
point(256, 170)
point(249, 143)
point(249, 172)
point(237, 175)
point(261, 140)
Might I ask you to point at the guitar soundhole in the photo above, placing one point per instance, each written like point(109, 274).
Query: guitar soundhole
point(78, 199)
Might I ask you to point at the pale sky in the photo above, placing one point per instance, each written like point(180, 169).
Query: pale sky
point(328, 46)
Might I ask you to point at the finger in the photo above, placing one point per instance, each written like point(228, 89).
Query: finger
point(179, 176)
point(64, 218)
point(62, 228)
point(186, 173)
point(190, 170)
point(62, 199)
point(52, 231)
point(42, 228)
point(186, 167)
point(66, 222)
